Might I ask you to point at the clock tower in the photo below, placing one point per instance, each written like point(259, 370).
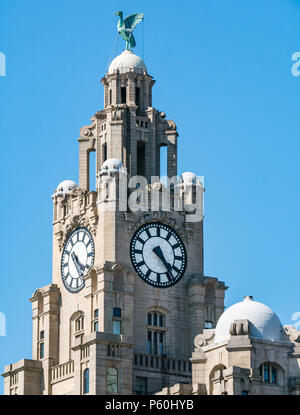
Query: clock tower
point(128, 293)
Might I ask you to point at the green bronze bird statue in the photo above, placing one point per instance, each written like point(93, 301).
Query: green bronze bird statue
point(126, 26)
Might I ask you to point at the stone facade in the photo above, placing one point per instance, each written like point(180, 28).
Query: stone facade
point(76, 349)
point(243, 364)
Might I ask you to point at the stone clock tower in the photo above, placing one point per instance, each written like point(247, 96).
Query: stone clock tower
point(128, 292)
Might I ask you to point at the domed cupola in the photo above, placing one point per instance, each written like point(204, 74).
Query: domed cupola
point(127, 61)
point(264, 323)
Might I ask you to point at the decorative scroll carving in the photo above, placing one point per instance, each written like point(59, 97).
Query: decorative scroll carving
point(292, 333)
point(88, 130)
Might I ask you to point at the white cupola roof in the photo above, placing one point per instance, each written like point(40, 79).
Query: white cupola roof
point(127, 61)
point(113, 165)
point(264, 322)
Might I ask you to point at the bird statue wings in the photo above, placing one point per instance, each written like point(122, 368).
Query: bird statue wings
point(126, 26)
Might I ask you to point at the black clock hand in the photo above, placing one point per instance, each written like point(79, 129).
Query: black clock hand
point(160, 254)
point(76, 262)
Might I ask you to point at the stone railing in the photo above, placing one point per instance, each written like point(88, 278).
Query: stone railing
point(63, 371)
point(163, 364)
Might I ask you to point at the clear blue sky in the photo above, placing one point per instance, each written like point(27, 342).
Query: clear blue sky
point(223, 74)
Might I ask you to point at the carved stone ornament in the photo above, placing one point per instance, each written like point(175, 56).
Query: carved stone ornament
point(134, 222)
point(88, 130)
point(117, 113)
point(204, 339)
point(292, 333)
point(239, 328)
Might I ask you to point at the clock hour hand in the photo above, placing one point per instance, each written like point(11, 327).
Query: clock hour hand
point(157, 250)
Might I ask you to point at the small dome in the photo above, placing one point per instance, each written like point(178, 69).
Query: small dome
point(127, 62)
point(65, 187)
point(190, 178)
point(264, 322)
point(112, 165)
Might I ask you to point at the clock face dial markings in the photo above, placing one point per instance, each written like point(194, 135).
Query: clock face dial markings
point(158, 254)
point(77, 258)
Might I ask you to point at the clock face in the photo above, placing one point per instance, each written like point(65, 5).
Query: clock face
point(158, 254)
point(77, 257)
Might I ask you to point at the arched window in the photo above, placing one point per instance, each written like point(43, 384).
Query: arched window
point(112, 380)
point(86, 381)
point(156, 322)
point(79, 324)
point(269, 373)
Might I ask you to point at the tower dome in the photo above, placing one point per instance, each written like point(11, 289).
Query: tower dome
point(127, 61)
point(112, 165)
point(264, 322)
point(65, 188)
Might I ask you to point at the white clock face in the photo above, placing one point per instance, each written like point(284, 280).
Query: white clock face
point(158, 254)
point(77, 257)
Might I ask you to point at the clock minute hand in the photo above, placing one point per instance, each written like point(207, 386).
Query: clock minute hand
point(77, 264)
point(160, 254)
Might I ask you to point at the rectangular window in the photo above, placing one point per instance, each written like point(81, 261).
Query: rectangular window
point(149, 343)
point(161, 320)
point(104, 152)
point(274, 375)
point(137, 96)
point(96, 313)
point(208, 325)
point(116, 327)
point(155, 342)
point(161, 343)
point(123, 94)
point(174, 365)
point(117, 312)
point(266, 373)
point(141, 386)
point(155, 319)
point(140, 159)
point(110, 97)
point(42, 335)
point(41, 350)
point(149, 319)
point(96, 326)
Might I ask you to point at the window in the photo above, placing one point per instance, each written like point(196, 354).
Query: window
point(123, 94)
point(137, 96)
point(208, 325)
point(86, 381)
point(110, 97)
point(42, 350)
point(268, 372)
point(112, 380)
point(79, 324)
point(140, 159)
point(104, 152)
point(117, 321)
point(42, 335)
point(95, 324)
point(245, 393)
point(155, 333)
point(117, 312)
point(116, 327)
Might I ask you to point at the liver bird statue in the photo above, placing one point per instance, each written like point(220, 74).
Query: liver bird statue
point(126, 26)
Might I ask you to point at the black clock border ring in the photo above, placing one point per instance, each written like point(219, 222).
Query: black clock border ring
point(182, 247)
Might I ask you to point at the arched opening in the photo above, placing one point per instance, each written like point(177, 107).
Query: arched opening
point(40, 303)
point(140, 157)
point(112, 380)
point(86, 381)
point(92, 170)
point(216, 381)
point(163, 162)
